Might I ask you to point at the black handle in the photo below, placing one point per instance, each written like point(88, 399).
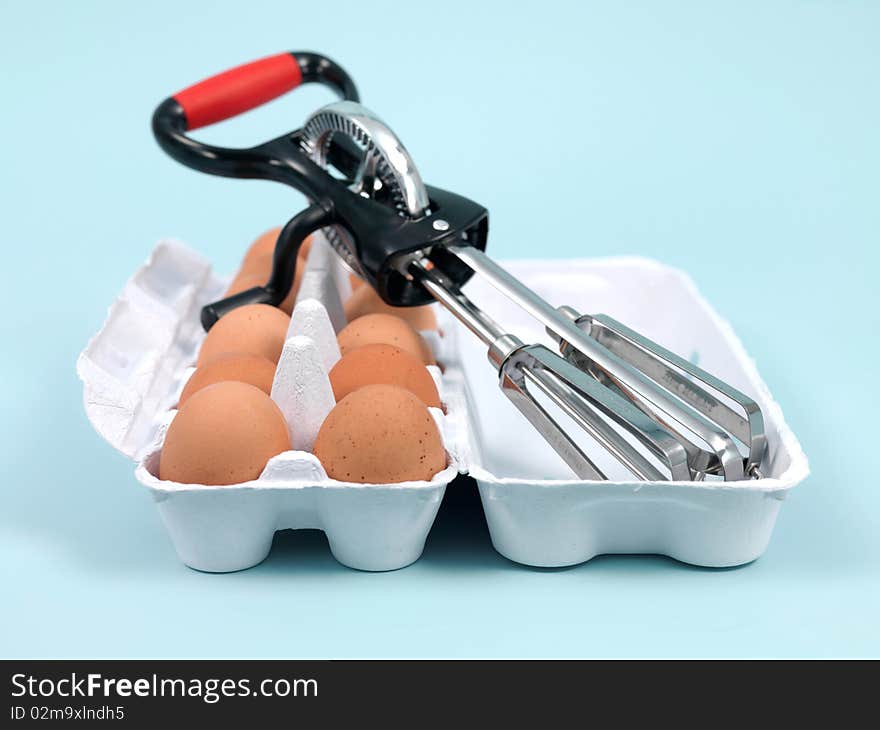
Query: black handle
point(233, 92)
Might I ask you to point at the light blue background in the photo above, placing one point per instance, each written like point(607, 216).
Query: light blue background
point(738, 141)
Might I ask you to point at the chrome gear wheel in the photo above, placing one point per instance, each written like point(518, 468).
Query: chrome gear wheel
point(385, 172)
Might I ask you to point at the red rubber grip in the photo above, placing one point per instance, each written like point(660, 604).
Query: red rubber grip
point(239, 89)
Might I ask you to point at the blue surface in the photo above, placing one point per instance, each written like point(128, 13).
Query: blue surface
point(739, 143)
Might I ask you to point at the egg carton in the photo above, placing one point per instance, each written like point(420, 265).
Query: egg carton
point(134, 368)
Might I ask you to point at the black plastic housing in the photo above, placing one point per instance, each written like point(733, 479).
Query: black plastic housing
point(379, 235)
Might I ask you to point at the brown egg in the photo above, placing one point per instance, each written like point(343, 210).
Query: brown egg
point(304, 249)
point(263, 247)
point(386, 329)
point(245, 280)
point(259, 266)
point(366, 301)
point(380, 434)
point(254, 329)
point(383, 364)
point(224, 434)
point(256, 268)
point(259, 256)
point(252, 369)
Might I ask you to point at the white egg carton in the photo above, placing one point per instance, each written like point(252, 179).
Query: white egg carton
point(135, 367)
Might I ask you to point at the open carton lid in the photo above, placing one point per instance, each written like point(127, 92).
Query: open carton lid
point(150, 337)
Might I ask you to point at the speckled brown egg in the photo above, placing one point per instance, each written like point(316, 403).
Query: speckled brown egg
point(380, 434)
point(224, 434)
point(253, 369)
point(385, 329)
point(365, 300)
point(383, 364)
point(254, 329)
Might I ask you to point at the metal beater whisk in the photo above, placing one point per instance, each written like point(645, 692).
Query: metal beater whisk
point(658, 415)
point(609, 378)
